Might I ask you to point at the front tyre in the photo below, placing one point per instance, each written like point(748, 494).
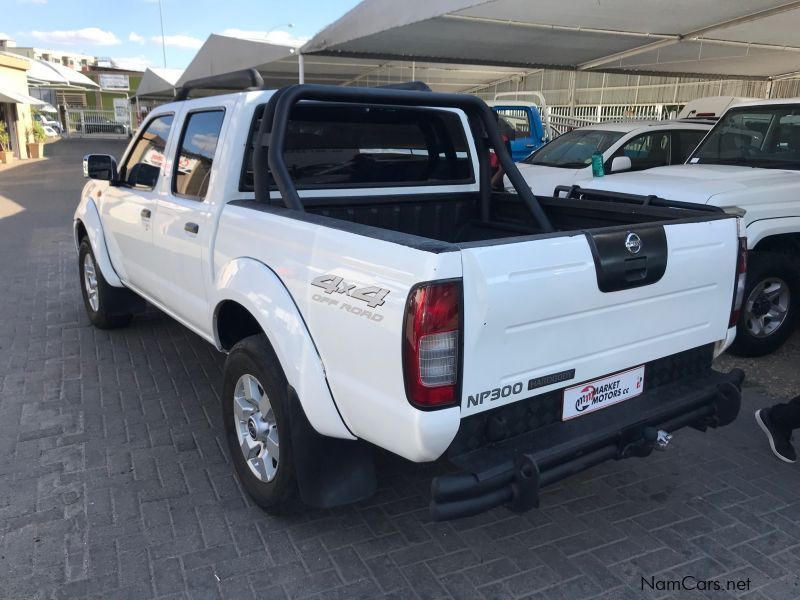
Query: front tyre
point(771, 298)
point(101, 300)
point(256, 416)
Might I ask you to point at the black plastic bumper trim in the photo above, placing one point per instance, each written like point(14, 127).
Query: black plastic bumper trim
point(511, 473)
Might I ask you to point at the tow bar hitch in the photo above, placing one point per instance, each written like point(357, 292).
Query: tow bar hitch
point(662, 440)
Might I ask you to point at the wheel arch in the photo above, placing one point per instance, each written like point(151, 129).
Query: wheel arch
point(239, 312)
point(775, 235)
point(86, 223)
point(781, 243)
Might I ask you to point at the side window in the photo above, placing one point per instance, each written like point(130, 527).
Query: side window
point(687, 142)
point(196, 153)
point(514, 123)
point(648, 150)
point(143, 166)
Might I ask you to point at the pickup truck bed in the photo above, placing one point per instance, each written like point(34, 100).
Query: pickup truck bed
point(430, 317)
point(456, 218)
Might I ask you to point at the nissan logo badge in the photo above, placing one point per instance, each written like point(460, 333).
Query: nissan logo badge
point(633, 243)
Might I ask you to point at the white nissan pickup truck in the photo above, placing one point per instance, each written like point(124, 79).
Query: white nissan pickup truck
point(344, 247)
point(750, 163)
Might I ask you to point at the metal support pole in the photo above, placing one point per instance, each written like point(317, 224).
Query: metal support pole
point(301, 68)
point(163, 42)
point(572, 93)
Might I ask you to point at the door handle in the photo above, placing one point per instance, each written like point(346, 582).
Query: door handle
point(145, 213)
point(191, 227)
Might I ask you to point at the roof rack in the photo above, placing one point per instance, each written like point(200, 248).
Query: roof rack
point(250, 79)
point(411, 86)
point(235, 80)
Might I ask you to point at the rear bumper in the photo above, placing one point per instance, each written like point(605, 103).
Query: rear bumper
point(512, 472)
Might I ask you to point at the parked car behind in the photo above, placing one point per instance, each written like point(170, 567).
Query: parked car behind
point(45, 121)
point(98, 124)
point(626, 146)
point(748, 164)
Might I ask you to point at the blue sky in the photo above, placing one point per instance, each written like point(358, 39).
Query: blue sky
point(130, 30)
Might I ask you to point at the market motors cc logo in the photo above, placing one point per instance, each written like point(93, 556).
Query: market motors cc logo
point(586, 398)
point(633, 243)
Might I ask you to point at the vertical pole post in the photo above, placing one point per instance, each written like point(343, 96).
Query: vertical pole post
point(413, 70)
point(163, 42)
point(301, 68)
point(572, 93)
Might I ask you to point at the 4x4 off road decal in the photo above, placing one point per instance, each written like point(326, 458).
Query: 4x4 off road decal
point(332, 284)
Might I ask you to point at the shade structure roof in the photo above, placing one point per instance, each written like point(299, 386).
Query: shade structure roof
point(733, 38)
point(279, 66)
point(55, 75)
point(225, 54)
point(158, 82)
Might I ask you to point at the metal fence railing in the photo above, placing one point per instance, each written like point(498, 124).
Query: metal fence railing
point(86, 123)
point(598, 113)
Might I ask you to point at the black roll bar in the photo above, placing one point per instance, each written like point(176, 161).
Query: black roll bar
point(274, 126)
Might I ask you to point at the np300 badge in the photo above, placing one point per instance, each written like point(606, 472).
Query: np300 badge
point(633, 243)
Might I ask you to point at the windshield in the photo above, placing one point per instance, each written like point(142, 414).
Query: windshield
point(574, 149)
point(754, 136)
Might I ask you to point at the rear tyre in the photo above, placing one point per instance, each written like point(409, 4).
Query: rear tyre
point(770, 306)
point(100, 300)
point(256, 415)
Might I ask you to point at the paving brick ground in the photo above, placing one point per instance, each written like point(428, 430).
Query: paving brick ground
point(115, 482)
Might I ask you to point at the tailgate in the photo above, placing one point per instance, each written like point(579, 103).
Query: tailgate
point(556, 311)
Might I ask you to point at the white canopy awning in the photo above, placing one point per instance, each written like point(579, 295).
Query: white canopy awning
point(17, 98)
point(278, 66)
point(158, 82)
point(43, 73)
point(744, 38)
point(224, 54)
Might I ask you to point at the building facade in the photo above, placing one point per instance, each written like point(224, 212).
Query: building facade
point(16, 115)
point(73, 60)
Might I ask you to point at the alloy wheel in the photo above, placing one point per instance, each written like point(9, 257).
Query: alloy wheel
point(766, 307)
point(256, 428)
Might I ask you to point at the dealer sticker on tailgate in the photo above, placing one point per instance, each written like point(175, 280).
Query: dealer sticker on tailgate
point(594, 395)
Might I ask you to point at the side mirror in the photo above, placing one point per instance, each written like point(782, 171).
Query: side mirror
point(620, 163)
point(100, 166)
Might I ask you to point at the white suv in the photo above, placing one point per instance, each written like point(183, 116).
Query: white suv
point(626, 146)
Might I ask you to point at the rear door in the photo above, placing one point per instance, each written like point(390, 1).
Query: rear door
point(183, 227)
point(557, 311)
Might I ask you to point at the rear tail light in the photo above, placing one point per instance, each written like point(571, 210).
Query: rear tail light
point(431, 344)
point(741, 276)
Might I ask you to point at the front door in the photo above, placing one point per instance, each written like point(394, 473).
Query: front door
point(128, 209)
